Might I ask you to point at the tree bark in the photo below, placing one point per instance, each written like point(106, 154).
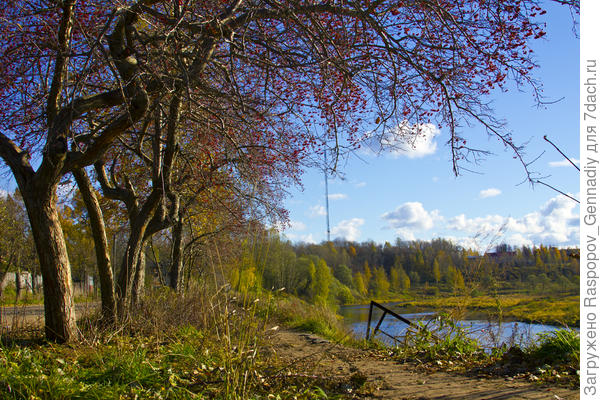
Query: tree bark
point(176, 271)
point(127, 271)
point(140, 277)
point(59, 306)
point(18, 285)
point(107, 293)
point(33, 283)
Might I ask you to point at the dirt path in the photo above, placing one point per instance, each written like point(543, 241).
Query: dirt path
point(392, 380)
point(33, 315)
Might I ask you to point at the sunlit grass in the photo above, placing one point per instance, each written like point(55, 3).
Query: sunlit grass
point(172, 348)
point(562, 346)
point(550, 310)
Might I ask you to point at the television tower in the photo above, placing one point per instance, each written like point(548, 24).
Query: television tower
point(326, 197)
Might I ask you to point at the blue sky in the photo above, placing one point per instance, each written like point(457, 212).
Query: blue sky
point(414, 194)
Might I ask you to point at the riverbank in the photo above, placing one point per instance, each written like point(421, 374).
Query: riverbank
point(558, 311)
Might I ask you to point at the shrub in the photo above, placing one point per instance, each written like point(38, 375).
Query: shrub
point(344, 295)
point(560, 346)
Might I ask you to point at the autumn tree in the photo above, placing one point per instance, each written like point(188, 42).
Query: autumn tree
point(343, 274)
point(437, 273)
point(455, 278)
point(367, 274)
point(359, 283)
point(16, 241)
point(322, 281)
point(399, 280)
point(380, 283)
point(305, 269)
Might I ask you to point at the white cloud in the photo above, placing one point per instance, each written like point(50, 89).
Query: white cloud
point(360, 184)
point(317, 211)
point(412, 141)
point(348, 229)
point(554, 223)
point(489, 223)
point(465, 242)
point(301, 238)
point(560, 222)
point(411, 215)
point(405, 234)
point(337, 196)
point(297, 226)
point(491, 192)
point(563, 163)
point(519, 240)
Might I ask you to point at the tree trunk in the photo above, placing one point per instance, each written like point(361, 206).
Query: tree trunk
point(176, 271)
point(127, 272)
point(33, 283)
point(59, 306)
point(18, 285)
point(131, 258)
point(140, 277)
point(138, 224)
point(107, 293)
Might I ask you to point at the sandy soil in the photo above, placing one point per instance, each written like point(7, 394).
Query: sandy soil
point(389, 379)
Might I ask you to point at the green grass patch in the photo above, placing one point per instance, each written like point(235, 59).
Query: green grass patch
point(557, 347)
point(549, 310)
point(439, 340)
point(171, 348)
point(297, 314)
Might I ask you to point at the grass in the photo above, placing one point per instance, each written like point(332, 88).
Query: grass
point(210, 344)
point(552, 357)
point(549, 310)
point(297, 314)
point(26, 298)
point(557, 311)
point(9, 297)
point(193, 347)
point(560, 346)
point(124, 367)
point(439, 340)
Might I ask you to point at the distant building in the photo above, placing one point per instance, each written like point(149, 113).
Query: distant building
point(21, 280)
point(500, 254)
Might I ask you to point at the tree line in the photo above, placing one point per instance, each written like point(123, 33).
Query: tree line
point(344, 272)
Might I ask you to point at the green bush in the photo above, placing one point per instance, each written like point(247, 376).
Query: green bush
point(560, 346)
point(344, 295)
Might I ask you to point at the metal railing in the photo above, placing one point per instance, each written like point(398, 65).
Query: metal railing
point(386, 311)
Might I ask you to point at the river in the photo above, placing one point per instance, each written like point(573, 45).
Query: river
point(478, 326)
